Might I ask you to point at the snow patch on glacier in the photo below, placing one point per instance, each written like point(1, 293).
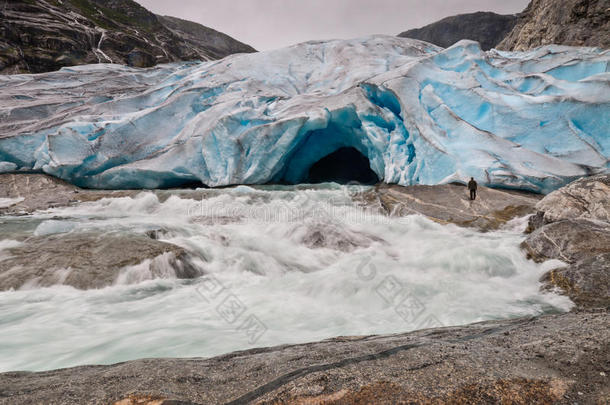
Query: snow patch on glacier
point(420, 114)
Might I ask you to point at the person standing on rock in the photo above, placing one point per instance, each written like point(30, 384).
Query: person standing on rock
point(472, 186)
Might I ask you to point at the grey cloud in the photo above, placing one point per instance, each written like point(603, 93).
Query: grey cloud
point(270, 24)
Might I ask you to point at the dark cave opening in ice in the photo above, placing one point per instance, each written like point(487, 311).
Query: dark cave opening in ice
point(343, 166)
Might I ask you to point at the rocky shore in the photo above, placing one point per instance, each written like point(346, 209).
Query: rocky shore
point(558, 358)
point(551, 359)
point(449, 203)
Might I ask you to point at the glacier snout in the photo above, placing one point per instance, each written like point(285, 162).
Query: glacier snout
point(417, 113)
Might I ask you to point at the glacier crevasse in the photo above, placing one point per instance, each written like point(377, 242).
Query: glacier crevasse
point(420, 114)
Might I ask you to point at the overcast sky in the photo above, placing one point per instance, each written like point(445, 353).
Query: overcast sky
point(270, 24)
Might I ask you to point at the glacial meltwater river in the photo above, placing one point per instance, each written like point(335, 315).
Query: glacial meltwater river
point(282, 265)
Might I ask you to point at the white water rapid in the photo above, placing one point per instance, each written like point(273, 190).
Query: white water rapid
point(282, 265)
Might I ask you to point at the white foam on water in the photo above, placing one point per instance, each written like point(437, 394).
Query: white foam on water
point(59, 277)
point(9, 202)
point(52, 227)
point(8, 244)
point(282, 265)
point(160, 267)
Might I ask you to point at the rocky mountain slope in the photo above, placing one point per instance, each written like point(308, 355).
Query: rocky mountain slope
point(543, 22)
point(486, 28)
point(564, 22)
point(45, 35)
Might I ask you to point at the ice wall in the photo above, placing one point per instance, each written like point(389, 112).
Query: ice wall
point(419, 113)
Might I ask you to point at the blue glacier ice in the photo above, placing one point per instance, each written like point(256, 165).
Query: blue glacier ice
point(420, 114)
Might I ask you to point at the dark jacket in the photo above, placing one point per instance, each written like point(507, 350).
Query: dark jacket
point(472, 185)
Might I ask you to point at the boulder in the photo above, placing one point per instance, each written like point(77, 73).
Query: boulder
point(587, 198)
point(573, 225)
point(585, 282)
point(568, 241)
point(585, 248)
point(330, 236)
point(87, 260)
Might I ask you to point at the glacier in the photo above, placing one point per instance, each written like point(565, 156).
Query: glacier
point(420, 114)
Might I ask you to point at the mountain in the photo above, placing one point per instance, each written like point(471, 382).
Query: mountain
point(407, 110)
point(564, 22)
point(46, 35)
point(217, 45)
point(486, 28)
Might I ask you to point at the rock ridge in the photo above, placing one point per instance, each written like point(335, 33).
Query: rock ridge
point(46, 35)
point(562, 22)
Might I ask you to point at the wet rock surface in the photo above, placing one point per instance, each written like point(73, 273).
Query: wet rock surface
point(26, 193)
point(87, 260)
point(568, 241)
point(585, 281)
point(572, 226)
point(451, 203)
point(33, 192)
point(552, 359)
point(325, 235)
